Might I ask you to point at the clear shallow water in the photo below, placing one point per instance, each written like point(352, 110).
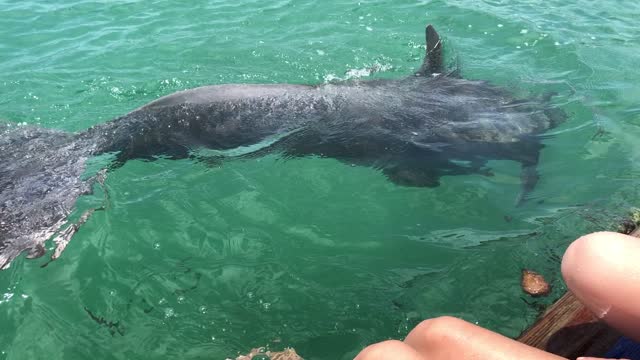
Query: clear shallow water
point(207, 262)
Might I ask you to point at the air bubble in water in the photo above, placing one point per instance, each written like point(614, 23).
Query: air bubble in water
point(169, 313)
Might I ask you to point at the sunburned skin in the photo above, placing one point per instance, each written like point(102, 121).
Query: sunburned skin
point(414, 130)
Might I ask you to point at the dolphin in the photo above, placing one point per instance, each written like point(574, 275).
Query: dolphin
point(414, 130)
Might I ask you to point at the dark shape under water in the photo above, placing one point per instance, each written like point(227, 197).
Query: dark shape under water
point(414, 130)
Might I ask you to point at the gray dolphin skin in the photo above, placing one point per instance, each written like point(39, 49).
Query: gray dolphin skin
point(415, 130)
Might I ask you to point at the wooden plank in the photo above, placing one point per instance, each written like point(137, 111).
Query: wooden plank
point(568, 329)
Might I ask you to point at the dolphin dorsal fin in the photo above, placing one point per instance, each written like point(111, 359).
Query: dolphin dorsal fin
point(433, 58)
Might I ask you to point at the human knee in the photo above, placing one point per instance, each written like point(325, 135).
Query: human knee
point(439, 330)
point(389, 349)
point(583, 248)
point(594, 253)
point(601, 270)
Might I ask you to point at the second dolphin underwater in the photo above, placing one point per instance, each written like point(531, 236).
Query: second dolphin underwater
point(414, 130)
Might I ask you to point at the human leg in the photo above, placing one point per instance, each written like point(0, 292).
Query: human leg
point(603, 271)
point(445, 338)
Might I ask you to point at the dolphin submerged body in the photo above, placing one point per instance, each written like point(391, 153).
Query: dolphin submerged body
point(414, 130)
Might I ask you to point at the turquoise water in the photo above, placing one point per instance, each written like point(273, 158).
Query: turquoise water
point(198, 262)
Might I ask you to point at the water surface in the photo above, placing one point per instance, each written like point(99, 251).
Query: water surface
point(205, 262)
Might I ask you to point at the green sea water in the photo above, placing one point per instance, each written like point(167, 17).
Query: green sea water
point(196, 262)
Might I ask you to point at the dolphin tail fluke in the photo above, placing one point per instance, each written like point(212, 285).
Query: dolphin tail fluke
point(42, 174)
point(62, 237)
